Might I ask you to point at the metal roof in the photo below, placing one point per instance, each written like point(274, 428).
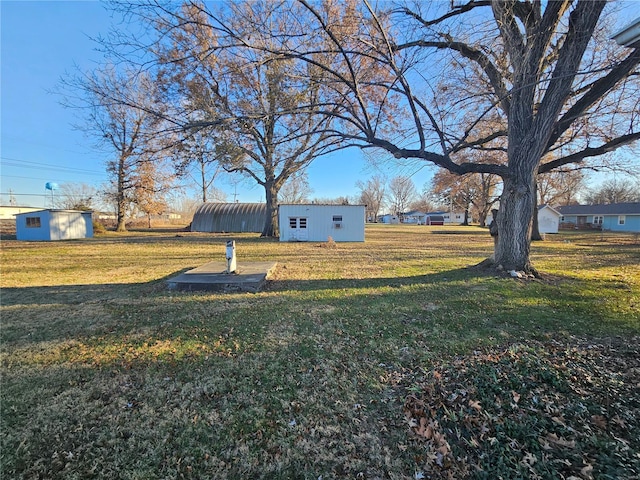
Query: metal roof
point(229, 217)
point(608, 209)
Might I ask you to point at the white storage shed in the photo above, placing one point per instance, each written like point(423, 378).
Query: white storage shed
point(548, 219)
point(316, 223)
point(389, 218)
point(47, 225)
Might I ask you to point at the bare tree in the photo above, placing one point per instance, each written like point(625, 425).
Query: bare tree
point(266, 111)
point(425, 202)
point(401, 193)
point(76, 196)
point(534, 65)
point(372, 194)
point(614, 191)
point(195, 157)
point(115, 109)
point(560, 187)
point(296, 189)
point(333, 201)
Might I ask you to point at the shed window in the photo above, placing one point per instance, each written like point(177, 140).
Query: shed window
point(337, 218)
point(621, 219)
point(297, 222)
point(33, 222)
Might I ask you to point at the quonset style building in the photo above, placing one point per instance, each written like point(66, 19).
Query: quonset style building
point(229, 218)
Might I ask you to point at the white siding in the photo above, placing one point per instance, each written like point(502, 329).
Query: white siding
point(548, 220)
point(343, 223)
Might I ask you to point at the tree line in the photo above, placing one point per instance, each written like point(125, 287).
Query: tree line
point(511, 89)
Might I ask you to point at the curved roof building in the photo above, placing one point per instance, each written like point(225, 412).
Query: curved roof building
point(229, 217)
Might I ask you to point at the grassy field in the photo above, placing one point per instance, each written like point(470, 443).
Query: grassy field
point(384, 359)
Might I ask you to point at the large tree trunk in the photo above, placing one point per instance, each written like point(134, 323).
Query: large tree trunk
point(120, 199)
point(512, 251)
point(271, 221)
point(535, 228)
point(482, 219)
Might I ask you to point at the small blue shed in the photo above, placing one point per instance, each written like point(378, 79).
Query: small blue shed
point(47, 225)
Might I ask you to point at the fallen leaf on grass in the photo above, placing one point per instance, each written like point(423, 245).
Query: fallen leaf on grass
point(475, 405)
point(599, 421)
point(529, 459)
point(586, 471)
point(424, 430)
point(553, 439)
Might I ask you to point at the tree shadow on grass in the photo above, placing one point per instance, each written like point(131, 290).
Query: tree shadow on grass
point(78, 294)
point(448, 276)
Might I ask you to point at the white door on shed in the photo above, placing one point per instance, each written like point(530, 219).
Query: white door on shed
point(298, 229)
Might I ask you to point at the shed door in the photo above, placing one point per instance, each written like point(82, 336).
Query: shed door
point(298, 229)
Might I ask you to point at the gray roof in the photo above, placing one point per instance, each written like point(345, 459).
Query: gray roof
point(608, 209)
point(229, 217)
point(414, 212)
point(540, 207)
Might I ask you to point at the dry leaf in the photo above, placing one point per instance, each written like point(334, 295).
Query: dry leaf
point(516, 396)
point(560, 442)
point(586, 471)
point(599, 421)
point(529, 459)
point(475, 405)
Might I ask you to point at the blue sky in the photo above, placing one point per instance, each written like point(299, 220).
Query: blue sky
point(40, 41)
point(43, 40)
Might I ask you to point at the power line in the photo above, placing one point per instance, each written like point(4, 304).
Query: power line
point(27, 194)
point(27, 178)
point(14, 162)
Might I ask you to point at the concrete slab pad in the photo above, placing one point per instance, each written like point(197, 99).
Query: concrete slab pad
point(249, 277)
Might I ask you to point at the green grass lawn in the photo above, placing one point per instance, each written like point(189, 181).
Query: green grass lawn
point(385, 359)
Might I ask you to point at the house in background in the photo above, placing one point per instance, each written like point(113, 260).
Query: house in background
point(616, 217)
point(414, 216)
point(9, 212)
point(317, 222)
point(48, 225)
point(455, 217)
point(548, 219)
point(389, 219)
point(440, 218)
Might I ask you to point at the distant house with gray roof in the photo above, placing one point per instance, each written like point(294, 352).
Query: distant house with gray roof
point(616, 217)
